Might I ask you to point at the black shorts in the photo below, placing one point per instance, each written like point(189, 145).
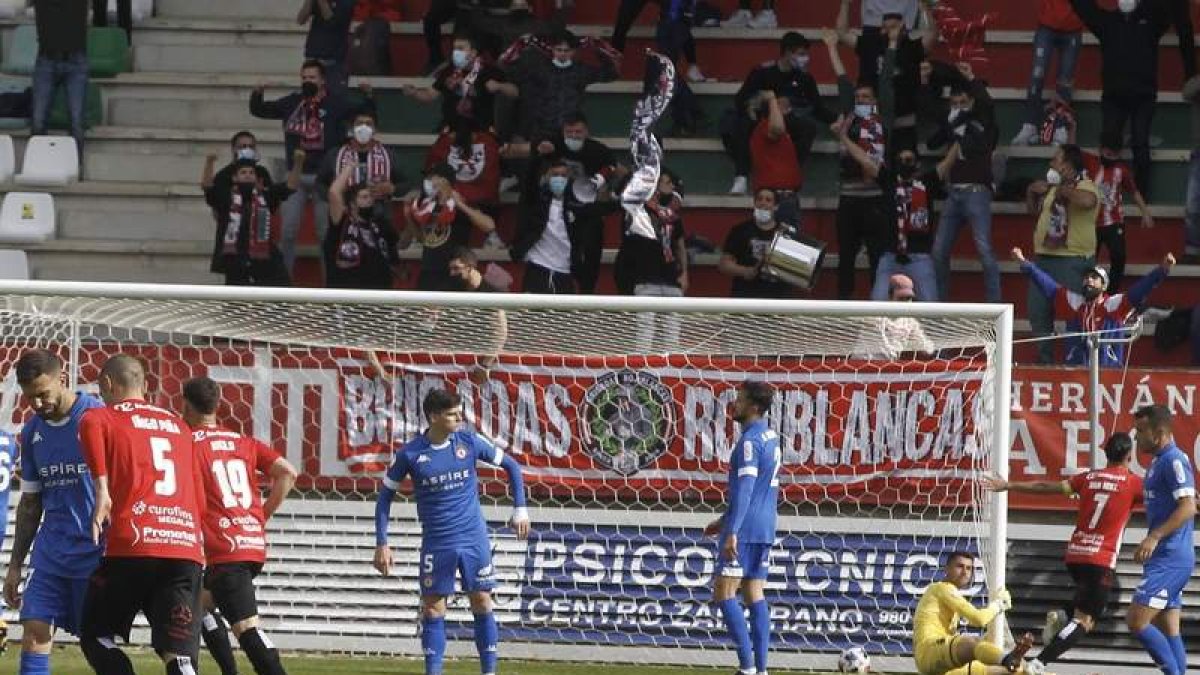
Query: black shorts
point(1093, 586)
point(232, 588)
point(167, 591)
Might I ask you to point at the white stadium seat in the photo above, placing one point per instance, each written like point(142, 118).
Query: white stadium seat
point(8, 159)
point(27, 217)
point(11, 8)
point(13, 264)
point(49, 160)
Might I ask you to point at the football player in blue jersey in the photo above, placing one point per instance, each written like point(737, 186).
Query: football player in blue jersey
point(747, 530)
point(8, 450)
point(454, 536)
point(54, 514)
point(1166, 553)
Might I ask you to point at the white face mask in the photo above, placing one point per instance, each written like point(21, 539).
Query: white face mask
point(459, 58)
point(427, 186)
point(247, 153)
point(1126, 6)
point(563, 63)
point(363, 133)
point(763, 217)
point(1053, 177)
point(573, 144)
point(800, 61)
point(863, 110)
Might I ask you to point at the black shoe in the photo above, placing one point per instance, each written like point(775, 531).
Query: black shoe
point(1012, 660)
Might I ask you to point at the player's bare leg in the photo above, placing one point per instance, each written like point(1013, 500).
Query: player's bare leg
point(258, 647)
point(487, 634)
point(433, 632)
point(725, 599)
point(760, 621)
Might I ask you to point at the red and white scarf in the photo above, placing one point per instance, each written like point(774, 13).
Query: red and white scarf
point(912, 212)
point(377, 168)
point(868, 135)
point(257, 217)
point(433, 218)
point(666, 218)
point(463, 82)
point(307, 123)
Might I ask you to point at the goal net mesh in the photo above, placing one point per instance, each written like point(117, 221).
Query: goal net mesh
point(622, 421)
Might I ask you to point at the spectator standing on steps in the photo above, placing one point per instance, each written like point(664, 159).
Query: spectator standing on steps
point(467, 87)
point(328, 37)
point(1113, 179)
point(314, 120)
point(1129, 37)
point(1064, 240)
point(744, 253)
point(441, 220)
point(62, 60)
point(862, 218)
point(375, 165)
point(1059, 30)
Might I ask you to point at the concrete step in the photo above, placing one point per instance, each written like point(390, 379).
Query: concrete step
point(232, 9)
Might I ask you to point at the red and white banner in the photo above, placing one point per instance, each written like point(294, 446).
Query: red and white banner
point(659, 429)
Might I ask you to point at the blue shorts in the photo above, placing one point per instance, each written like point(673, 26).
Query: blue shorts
point(55, 600)
point(472, 563)
point(751, 562)
point(1162, 586)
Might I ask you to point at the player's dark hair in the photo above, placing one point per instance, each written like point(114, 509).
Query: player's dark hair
point(35, 363)
point(124, 371)
point(791, 41)
point(240, 135)
point(959, 554)
point(465, 254)
point(313, 63)
point(1158, 417)
point(203, 394)
point(1117, 447)
point(1073, 155)
point(760, 395)
point(439, 401)
point(576, 117)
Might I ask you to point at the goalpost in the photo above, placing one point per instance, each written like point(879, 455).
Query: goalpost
point(618, 409)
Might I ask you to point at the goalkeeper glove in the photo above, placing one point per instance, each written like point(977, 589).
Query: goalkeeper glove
point(1003, 599)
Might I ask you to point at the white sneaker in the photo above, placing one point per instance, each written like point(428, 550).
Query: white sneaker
point(1055, 620)
point(1027, 136)
point(694, 74)
point(765, 19)
point(1060, 137)
point(1034, 667)
point(739, 19)
point(740, 186)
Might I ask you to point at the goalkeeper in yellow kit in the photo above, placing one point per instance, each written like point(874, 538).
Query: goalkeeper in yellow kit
point(938, 647)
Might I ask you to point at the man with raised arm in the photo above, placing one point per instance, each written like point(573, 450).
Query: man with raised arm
point(454, 536)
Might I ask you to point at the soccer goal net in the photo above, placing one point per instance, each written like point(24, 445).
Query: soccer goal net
point(619, 409)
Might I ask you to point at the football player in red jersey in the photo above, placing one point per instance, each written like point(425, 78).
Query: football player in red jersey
point(1106, 499)
point(235, 518)
point(149, 500)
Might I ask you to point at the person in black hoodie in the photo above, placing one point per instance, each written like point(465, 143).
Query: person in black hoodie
point(560, 232)
point(1129, 38)
point(360, 247)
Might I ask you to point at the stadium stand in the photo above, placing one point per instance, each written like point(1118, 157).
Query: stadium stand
point(27, 217)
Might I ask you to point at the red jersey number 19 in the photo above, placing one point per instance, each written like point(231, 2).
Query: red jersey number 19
point(234, 480)
point(164, 465)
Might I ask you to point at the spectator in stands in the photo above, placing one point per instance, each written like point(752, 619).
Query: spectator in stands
point(908, 196)
point(466, 88)
point(657, 266)
point(773, 157)
point(124, 16)
point(376, 166)
point(441, 220)
point(360, 247)
point(862, 218)
point(628, 12)
point(971, 123)
point(1113, 179)
point(244, 221)
point(439, 12)
point(62, 60)
point(464, 270)
point(552, 83)
point(744, 254)
point(1065, 203)
point(586, 157)
point(1059, 29)
point(1191, 250)
point(475, 158)
point(890, 61)
point(328, 36)
point(671, 37)
point(559, 233)
point(787, 77)
point(743, 17)
point(501, 25)
point(1129, 38)
point(1092, 309)
point(314, 120)
point(245, 149)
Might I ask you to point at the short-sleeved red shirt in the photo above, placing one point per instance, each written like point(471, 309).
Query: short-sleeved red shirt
point(1106, 499)
point(234, 524)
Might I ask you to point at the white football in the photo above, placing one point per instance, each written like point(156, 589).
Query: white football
point(854, 660)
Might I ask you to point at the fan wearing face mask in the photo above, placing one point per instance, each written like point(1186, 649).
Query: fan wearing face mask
point(1091, 308)
point(862, 217)
point(440, 219)
point(466, 87)
point(1129, 37)
point(246, 232)
point(375, 165)
point(587, 157)
point(243, 146)
point(744, 253)
point(360, 248)
point(1113, 179)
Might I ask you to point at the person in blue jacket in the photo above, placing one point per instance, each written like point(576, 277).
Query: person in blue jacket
point(1091, 309)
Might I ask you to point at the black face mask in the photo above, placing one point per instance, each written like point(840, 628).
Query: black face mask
point(665, 200)
point(246, 189)
point(309, 89)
